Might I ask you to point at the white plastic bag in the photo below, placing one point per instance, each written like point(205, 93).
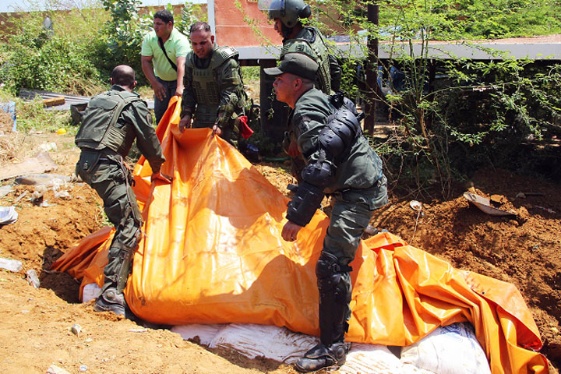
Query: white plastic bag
point(452, 349)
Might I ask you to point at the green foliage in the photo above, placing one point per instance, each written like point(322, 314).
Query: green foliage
point(251, 74)
point(32, 116)
point(477, 111)
point(36, 59)
point(189, 15)
point(474, 19)
point(503, 105)
point(49, 67)
point(124, 33)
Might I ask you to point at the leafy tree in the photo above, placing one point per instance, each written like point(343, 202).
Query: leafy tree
point(476, 113)
point(124, 33)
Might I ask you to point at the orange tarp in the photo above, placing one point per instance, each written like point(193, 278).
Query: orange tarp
point(212, 253)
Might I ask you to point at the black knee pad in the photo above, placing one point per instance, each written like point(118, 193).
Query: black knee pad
point(333, 279)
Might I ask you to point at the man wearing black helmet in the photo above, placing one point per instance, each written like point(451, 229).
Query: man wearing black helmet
point(287, 16)
point(340, 163)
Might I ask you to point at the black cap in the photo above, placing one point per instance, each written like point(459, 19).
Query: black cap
point(295, 63)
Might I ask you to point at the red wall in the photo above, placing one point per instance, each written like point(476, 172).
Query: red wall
point(232, 29)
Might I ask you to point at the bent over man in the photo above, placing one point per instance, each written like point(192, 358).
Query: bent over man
point(110, 124)
point(287, 16)
point(340, 163)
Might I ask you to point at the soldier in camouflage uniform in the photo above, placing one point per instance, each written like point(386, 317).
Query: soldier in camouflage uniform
point(287, 16)
point(214, 94)
point(110, 124)
point(339, 163)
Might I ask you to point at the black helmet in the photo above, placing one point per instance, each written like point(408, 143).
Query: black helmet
point(290, 12)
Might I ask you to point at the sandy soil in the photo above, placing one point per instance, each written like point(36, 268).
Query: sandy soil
point(37, 334)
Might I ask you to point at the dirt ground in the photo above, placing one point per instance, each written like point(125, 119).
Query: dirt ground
point(37, 323)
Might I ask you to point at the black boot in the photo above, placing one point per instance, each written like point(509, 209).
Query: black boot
point(322, 357)
point(111, 301)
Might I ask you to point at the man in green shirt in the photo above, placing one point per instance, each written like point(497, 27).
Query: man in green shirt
point(339, 163)
point(163, 60)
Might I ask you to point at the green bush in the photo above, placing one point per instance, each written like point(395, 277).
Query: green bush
point(52, 67)
point(57, 61)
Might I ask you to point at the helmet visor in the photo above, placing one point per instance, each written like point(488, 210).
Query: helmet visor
point(271, 5)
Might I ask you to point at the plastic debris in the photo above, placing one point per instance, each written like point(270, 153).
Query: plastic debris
point(8, 215)
point(76, 329)
point(484, 204)
point(47, 147)
point(4, 190)
point(11, 265)
point(53, 369)
point(32, 278)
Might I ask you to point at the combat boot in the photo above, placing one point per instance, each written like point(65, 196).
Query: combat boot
point(322, 357)
point(111, 301)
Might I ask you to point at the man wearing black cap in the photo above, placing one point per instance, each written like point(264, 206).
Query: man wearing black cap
point(340, 163)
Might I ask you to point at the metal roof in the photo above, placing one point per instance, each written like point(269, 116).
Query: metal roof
point(242, 25)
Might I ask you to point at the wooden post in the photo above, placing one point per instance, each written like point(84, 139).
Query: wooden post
point(372, 90)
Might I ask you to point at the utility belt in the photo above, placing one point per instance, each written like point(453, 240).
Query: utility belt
point(91, 157)
point(117, 159)
point(109, 158)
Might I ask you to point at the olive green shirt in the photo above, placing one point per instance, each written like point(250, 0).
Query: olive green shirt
point(98, 133)
point(361, 169)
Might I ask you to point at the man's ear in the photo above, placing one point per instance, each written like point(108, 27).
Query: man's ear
point(134, 85)
point(111, 81)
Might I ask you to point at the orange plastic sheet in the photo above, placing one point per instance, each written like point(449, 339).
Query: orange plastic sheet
point(212, 253)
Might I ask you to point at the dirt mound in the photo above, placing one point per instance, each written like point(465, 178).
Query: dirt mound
point(522, 249)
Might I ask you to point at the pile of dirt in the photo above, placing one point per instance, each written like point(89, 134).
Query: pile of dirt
point(523, 249)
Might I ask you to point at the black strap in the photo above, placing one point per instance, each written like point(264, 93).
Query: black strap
point(161, 44)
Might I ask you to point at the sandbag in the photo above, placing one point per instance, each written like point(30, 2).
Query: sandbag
point(451, 349)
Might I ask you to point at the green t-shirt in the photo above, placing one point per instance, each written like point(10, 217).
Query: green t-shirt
point(176, 45)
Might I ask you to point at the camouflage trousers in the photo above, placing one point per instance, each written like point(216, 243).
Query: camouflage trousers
point(350, 215)
point(110, 178)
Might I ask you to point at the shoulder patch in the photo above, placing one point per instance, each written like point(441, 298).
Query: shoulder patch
point(303, 124)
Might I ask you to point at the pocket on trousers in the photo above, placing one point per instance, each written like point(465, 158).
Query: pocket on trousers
point(86, 165)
